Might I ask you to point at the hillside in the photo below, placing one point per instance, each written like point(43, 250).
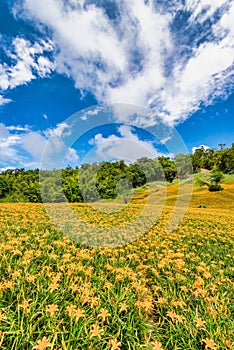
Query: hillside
point(223, 200)
point(166, 290)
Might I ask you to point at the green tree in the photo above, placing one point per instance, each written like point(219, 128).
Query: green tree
point(169, 168)
point(183, 165)
point(4, 188)
point(203, 158)
point(136, 175)
point(225, 160)
point(216, 177)
point(152, 169)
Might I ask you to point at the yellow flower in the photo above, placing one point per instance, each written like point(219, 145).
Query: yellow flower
point(175, 316)
point(161, 301)
point(25, 306)
point(31, 278)
point(179, 303)
point(43, 344)
point(210, 344)
point(107, 285)
point(78, 314)
point(71, 310)
point(16, 274)
point(199, 322)
point(94, 301)
point(207, 275)
point(180, 318)
point(103, 314)
point(74, 287)
point(146, 304)
point(2, 316)
point(95, 330)
point(114, 344)
point(198, 283)
point(156, 345)
point(172, 315)
point(53, 286)
point(123, 307)
point(228, 343)
point(52, 309)
point(8, 285)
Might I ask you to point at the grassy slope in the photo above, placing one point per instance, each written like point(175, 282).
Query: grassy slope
point(200, 195)
point(164, 291)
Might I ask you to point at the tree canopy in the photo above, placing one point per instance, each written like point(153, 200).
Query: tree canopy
point(90, 182)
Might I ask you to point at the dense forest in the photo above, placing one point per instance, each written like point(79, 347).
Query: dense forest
point(90, 182)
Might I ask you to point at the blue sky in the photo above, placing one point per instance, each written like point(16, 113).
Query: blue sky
point(58, 57)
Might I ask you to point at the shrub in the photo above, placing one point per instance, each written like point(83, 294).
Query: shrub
point(214, 187)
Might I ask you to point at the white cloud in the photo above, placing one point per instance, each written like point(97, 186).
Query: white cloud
point(28, 63)
point(227, 22)
point(127, 146)
point(126, 60)
point(6, 168)
point(56, 153)
point(83, 117)
point(91, 112)
point(94, 111)
point(21, 147)
point(203, 9)
point(18, 128)
point(201, 146)
point(34, 143)
point(60, 131)
point(44, 66)
point(153, 37)
point(201, 80)
point(71, 156)
point(4, 133)
point(8, 147)
point(54, 148)
point(165, 140)
point(3, 100)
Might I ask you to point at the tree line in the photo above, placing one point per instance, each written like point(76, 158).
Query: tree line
point(106, 180)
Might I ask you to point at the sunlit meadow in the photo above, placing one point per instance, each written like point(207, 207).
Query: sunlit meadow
point(163, 291)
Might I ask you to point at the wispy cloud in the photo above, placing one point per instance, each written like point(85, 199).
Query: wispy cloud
point(18, 128)
point(4, 100)
point(168, 56)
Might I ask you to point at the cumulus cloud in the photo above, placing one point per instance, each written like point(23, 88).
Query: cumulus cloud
point(4, 133)
point(21, 147)
point(201, 146)
point(71, 156)
point(28, 62)
point(34, 143)
point(8, 147)
point(56, 152)
point(127, 146)
point(6, 168)
point(167, 56)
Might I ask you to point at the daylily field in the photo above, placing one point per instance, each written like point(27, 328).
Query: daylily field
point(163, 291)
